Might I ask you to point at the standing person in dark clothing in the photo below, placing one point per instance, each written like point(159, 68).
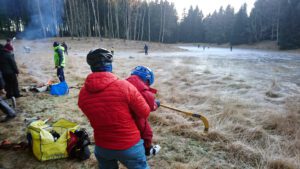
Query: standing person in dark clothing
point(146, 49)
point(59, 61)
point(10, 71)
point(4, 107)
point(66, 47)
point(8, 46)
point(2, 84)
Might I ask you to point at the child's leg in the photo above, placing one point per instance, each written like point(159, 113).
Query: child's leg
point(146, 133)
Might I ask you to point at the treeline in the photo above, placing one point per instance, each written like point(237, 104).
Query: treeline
point(276, 20)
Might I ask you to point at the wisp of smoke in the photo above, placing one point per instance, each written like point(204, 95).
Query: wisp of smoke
point(45, 18)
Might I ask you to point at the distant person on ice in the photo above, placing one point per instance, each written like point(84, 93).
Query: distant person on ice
point(110, 104)
point(59, 61)
point(146, 49)
point(10, 71)
point(142, 78)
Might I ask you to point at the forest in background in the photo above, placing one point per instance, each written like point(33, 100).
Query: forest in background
point(158, 21)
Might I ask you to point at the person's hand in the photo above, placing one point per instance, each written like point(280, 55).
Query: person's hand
point(157, 103)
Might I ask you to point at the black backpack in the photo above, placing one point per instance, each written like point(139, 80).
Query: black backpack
point(81, 150)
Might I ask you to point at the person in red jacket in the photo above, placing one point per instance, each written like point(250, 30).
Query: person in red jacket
point(142, 77)
point(110, 105)
point(8, 46)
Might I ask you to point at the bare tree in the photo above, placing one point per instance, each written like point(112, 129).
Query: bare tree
point(149, 32)
point(96, 20)
point(136, 22)
point(161, 21)
point(164, 25)
point(41, 18)
point(117, 18)
point(143, 21)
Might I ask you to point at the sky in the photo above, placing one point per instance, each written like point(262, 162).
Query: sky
point(209, 6)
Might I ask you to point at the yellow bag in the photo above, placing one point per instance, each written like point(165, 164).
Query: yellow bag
point(44, 145)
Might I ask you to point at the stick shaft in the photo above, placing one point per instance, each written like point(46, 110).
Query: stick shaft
point(204, 119)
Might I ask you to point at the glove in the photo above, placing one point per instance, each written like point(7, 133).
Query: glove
point(157, 103)
point(147, 150)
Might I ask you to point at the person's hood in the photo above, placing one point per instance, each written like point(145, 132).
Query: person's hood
point(140, 84)
point(98, 81)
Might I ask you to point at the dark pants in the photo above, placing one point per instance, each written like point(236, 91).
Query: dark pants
point(11, 85)
point(5, 108)
point(60, 74)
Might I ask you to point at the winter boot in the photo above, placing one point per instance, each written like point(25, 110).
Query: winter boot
point(154, 150)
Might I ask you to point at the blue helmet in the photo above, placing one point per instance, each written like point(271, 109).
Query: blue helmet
point(144, 73)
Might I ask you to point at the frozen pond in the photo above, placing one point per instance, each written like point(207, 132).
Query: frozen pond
point(258, 64)
point(252, 63)
point(261, 77)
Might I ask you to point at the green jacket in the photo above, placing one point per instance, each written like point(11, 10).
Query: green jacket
point(59, 56)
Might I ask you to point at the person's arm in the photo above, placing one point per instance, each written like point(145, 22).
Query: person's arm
point(13, 64)
point(150, 98)
point(137, 103)
point(1, 81)
point(60, 55)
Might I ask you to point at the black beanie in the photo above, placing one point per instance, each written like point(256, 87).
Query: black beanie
point(55, 44)
point(99, 58)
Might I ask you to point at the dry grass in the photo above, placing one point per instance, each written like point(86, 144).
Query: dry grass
point(281, 164)
point(246, 130)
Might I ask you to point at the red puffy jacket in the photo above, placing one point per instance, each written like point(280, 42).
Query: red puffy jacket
point(110, 104)
point(149, 95)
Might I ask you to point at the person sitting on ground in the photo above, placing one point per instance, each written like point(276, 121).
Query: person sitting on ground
point(10, 71)
point(4, 107)
point(8, 46)
point(142, 78)
point(59, 61)
point(110, 104)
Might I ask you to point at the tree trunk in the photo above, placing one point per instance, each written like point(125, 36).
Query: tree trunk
point(72, 19)
point(41, 18)
point(135, 24)
point(54, 18)
point(278, 23)
point(128, 20)
point(161, 21)
point(117, 19)
point(143, 21)
point(149, 32)
point(97, 20)
point(111, 20)
point(164, 22)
